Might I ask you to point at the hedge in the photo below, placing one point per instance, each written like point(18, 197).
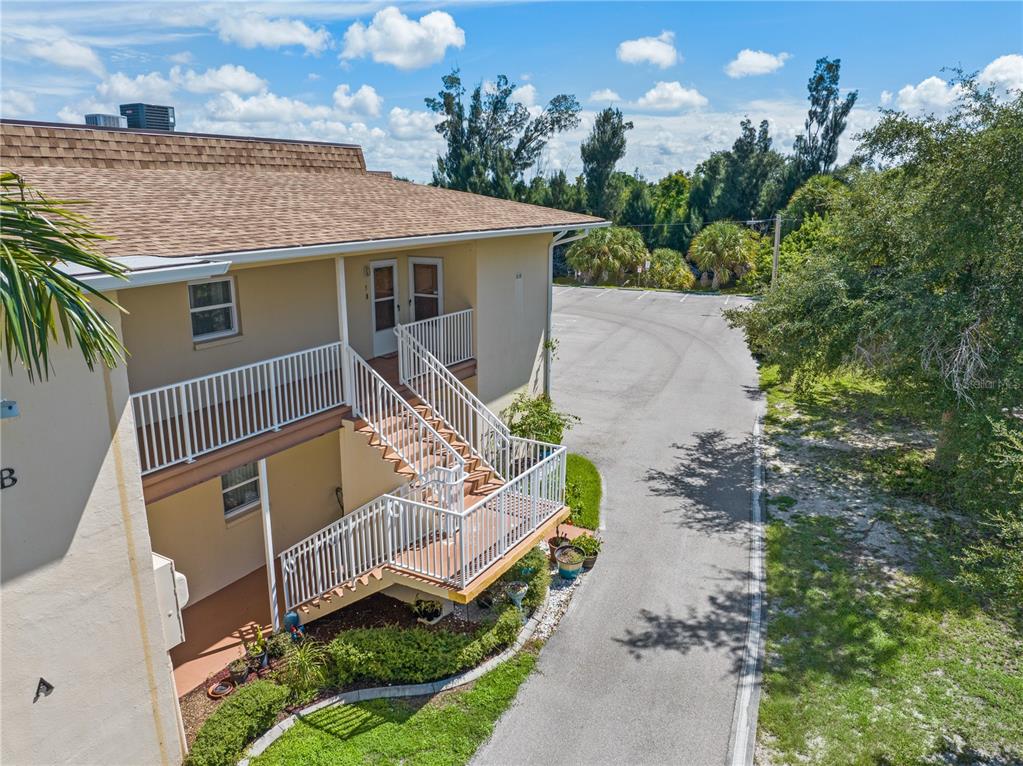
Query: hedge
point(415, 655)
point(242, 717)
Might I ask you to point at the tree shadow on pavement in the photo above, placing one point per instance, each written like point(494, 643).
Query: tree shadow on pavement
point(722, 625)
point(711, 478)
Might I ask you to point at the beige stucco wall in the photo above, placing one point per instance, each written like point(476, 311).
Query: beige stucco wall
point(281, 308)
point(459, 287)
point(511, 316)
point(212, 552)
point(78, 599)
point(365, 475)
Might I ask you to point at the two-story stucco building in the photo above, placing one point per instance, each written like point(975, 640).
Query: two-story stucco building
point(307, 415)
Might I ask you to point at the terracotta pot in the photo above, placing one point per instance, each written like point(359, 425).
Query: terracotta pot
point(220, 689)
point(554, 543)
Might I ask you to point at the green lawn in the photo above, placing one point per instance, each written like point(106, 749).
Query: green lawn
point(444, 731)
point(872, 659)
point(583, 489)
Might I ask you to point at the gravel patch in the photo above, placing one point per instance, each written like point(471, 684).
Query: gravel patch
point(558, 598)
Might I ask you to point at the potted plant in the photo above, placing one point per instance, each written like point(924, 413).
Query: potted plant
point(257, 651)
point(239, 670)
point(590, 546)
point(516, 592)
point(570, 561)
point(556, 542)
point(427, 612)
point(277, 645)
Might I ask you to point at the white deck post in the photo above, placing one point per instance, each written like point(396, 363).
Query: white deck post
point(268, 543)
point(347, 384)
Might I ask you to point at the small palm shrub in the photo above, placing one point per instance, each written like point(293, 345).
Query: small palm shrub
point(304, 669)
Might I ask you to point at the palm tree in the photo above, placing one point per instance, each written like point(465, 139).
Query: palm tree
point(722, 248)
point(607, 254)
point(40, 302)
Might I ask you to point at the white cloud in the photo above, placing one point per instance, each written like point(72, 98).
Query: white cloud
point(77, 112)
point(393, 38)
point(66, 53)
point(183, 57)
point(408, 125)
point(363, 101)
point(930, 95)
point(659, 50)
point(313, 76)
point(263, 108)
point(671, 95)
point(227, 77)
point(152, 87)
point(605, 94)
point(253, 30)
point(14, 103)
point(749, 62)
point(525, 94)
point(886, 97)
point(1004, 72)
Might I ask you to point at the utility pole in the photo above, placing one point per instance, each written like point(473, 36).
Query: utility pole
point(777, 248)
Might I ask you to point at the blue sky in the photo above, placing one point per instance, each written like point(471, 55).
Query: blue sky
point(684, 73)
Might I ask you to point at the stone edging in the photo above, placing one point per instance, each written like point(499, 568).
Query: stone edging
point(404, 690)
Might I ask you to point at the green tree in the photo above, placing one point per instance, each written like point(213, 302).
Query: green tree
point(491, 142)
point(607, 254)
point(816, 150)
point(671, 206)
point(818, 196)
point(41, 302)
point(920, 276)
point(723, 248)
point(601, 151)
point(638, 210)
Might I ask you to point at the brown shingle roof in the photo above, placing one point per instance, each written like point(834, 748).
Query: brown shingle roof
point(207, 196)
point(82, 146)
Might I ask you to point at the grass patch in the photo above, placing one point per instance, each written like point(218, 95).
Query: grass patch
point(582, 489)
point(444, 731)
point(866, 666)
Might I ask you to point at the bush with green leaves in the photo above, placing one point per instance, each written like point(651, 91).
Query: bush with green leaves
point(415, 655)
point(607, 255)
point(538, 580)
point(535, 417)
point(588, 544)
point(726, 249)
point(242, 717)
point(668, 271)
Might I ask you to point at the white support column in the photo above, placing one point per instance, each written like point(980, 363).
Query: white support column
point(342, 322)
point(268, 543)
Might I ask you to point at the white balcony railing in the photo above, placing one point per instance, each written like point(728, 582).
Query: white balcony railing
point(448, 336)
point(408, 532)
point(179, 422)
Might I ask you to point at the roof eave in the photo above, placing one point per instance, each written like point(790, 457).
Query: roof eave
point(392, 243)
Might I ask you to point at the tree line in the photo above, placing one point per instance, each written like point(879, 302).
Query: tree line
point(493, 144)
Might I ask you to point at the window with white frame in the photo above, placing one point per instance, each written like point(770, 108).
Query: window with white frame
point(212, 306)
point(240, 489)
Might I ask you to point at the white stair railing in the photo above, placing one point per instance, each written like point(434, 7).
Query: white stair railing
point(179, 422)
point(450, 400)
point(401, 428)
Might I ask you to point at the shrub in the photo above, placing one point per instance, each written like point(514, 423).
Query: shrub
point(278, 644)
point(242, 717)
point(415, 655)
point(668, 271)
point(538, 584)
point(534, 417)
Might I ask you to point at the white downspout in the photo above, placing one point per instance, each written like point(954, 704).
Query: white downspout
point(560, 238)
point(268, 543)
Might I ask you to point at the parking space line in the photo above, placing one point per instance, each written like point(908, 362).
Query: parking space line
point(683, 298)
point(640, 295)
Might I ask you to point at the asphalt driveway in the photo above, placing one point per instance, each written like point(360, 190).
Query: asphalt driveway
point(645, 665)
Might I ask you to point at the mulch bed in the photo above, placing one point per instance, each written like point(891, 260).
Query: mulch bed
point(376, 611)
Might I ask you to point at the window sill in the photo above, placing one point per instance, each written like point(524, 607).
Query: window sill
point(242, 514)
point(227, 340)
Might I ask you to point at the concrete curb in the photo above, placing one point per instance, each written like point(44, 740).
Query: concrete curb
point(744, 720)
point(404, 690)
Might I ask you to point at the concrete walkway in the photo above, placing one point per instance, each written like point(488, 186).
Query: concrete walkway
point(644, 667)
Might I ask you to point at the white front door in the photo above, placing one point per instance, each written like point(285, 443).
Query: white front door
point(384, 279)
point(426, 288)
